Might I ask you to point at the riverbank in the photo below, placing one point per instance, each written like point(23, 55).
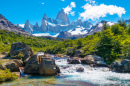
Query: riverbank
point(92, 76)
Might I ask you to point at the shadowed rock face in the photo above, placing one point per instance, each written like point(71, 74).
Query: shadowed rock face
point(7, 25)
point(67, 35)
point(64, 35)
point(36, 27)
point(28, 27)
point(62, 17)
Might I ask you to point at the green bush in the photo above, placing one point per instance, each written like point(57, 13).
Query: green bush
point(6, 75)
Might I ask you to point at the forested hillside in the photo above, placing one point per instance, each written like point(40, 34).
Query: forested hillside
point(113, 43)
point(36, 43)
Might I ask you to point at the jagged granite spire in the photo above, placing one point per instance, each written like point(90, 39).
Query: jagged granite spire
point(62, 18)
point(28, 27)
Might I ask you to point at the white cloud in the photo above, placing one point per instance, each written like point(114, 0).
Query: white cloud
point(94, 11)
point(42, 3)
point(73, 4)
point(68, 9)
point(62, 0)
point(73, 13)
point(90, 1)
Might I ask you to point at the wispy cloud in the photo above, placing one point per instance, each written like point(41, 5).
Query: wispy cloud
point(42, 3)
point(68, 9)
point(93, 11)
point(62, 0)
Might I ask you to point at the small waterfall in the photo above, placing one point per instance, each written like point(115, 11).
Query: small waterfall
point(21, 70)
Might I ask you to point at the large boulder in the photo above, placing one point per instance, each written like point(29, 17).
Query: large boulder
point(121, 66)
point(20, 48)
point(48, 66)
point(93, 59)
point(32, 66)
point(42, 64)
point(13, 65)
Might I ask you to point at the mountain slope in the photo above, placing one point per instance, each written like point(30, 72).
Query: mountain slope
point(7, 25)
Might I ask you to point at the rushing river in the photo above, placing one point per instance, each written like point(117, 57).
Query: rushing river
point(69, 77)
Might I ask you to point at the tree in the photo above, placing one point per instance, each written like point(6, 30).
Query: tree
point(129, 28)
point(117, 29)
point(105, 26)
point(104, 47)
point(122, 23)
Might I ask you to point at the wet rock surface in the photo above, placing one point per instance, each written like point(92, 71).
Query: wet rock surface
point(121, 66)
point(93, 59)
point(80, 69)
point(74, 60)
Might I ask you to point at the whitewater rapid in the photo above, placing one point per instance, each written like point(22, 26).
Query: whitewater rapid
point(94, 75)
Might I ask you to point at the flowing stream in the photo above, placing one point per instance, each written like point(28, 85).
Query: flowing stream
point(70, 77)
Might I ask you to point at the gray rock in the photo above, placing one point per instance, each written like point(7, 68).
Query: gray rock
point(93, 59)
point(80, 69)
point(32, 67)
point(13, 65)
point(19, 47)
point(43, 65)
point(121, 66)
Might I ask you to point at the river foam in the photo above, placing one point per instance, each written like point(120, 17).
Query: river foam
point(100, 75)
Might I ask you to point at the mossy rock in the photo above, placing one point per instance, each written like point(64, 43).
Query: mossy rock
point(13, 65)
point(6, 75)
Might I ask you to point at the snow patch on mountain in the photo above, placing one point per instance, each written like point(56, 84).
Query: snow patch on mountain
point(63, 25)
point(79, 30)
point(30, 27)
point(110, 23)
point(20, 25)
point(49, 23)
point(47, 34)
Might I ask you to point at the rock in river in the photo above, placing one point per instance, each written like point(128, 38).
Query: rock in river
point(121, 66)
point(43, 65)
point(93, 59)
point(80, 69)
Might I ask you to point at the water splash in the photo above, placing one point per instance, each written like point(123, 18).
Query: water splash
point(100, 75)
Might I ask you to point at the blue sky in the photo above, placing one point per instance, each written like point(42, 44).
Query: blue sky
point(18, 11)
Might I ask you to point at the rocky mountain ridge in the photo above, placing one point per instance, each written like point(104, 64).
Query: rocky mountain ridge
point(61, 27)
point(7, 25)
point(61, 23)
